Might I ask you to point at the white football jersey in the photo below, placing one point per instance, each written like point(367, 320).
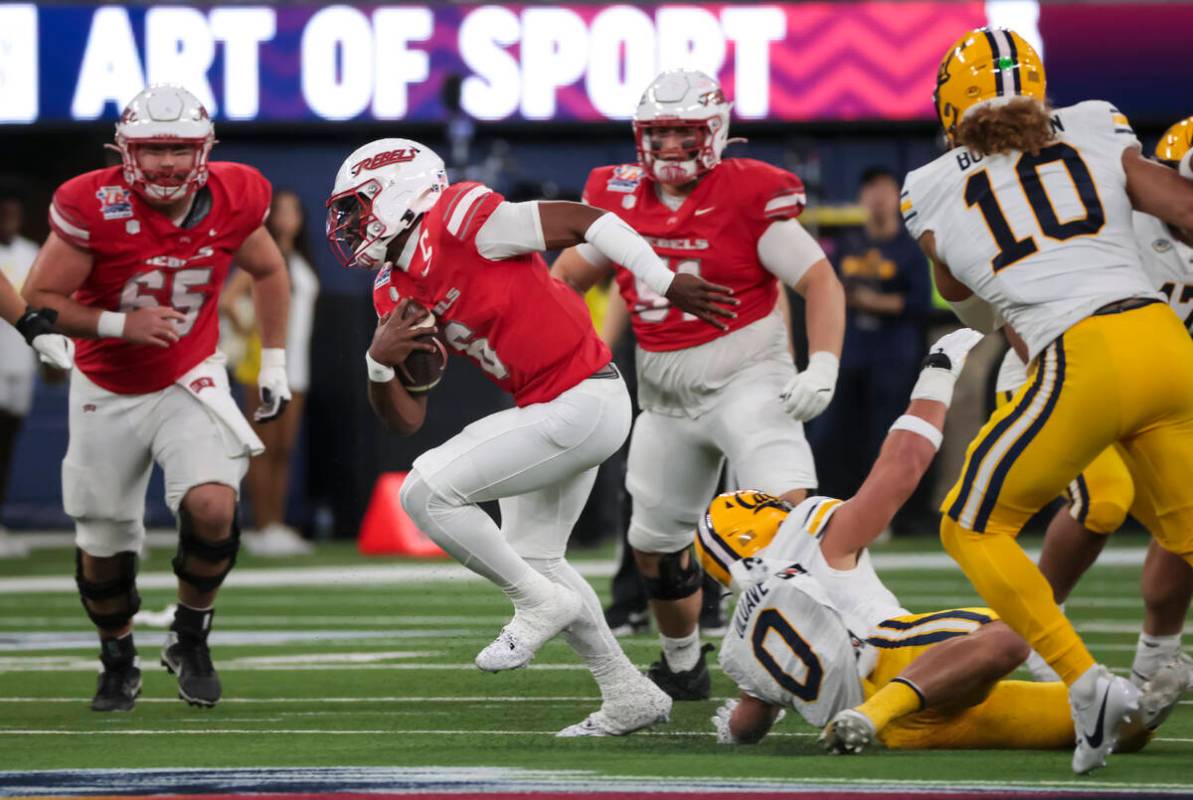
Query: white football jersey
point(1168, 264)
point(789, 647)
point(858, 593)
point(1045, 239)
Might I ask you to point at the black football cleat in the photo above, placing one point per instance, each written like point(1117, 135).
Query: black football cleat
point(118, 688)
point(694, 684)
point(190, 659)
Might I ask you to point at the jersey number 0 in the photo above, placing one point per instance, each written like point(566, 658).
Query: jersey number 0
point(979, 192)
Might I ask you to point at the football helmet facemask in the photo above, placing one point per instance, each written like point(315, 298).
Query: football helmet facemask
point(381, 189)
point(688, 103)
point(164, 114)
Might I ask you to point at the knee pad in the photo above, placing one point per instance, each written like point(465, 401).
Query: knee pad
point(192, 546)
point(120, 592)
point(675, 581)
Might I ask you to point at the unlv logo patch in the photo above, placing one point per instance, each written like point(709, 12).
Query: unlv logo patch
point(199, 384)
point(399, 156)
point(115, 202)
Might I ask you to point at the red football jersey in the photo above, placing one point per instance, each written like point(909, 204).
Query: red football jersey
point(714, 234)
point(531, 334)
point(141, 258)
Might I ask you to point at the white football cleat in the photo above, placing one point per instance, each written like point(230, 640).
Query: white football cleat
point(1100, 722)
point(529, 630)
point(850, 731)
point(1163, 692)
point(276, 541)
point(634, 706)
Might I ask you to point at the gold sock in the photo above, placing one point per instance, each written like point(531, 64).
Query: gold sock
point(897, 699)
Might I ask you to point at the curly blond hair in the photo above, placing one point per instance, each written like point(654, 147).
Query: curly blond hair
point(1021, 124)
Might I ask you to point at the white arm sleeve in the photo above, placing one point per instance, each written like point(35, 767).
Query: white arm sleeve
point(593, 256)
point(786, 250)
point(618, 242)
point(511, 230)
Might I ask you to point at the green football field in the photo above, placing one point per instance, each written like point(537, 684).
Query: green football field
point(335, 660)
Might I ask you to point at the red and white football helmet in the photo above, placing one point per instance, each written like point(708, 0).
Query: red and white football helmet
point(382, 189)
point(164, 114)
point(682, 98)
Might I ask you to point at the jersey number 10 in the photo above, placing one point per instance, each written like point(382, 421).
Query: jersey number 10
point(979, 192)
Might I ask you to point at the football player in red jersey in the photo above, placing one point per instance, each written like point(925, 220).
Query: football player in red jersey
point(473, 259)
point(709, 395)
point(133, 267)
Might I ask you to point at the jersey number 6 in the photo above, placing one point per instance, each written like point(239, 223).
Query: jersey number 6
point(979, 192)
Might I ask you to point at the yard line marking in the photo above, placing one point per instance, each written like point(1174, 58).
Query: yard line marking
point(353, 576)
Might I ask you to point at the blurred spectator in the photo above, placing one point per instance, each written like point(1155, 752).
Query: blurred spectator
point(268, 478)
point(888, 296)
point(18, 363)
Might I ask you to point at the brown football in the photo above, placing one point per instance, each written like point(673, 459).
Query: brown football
point(421, 371)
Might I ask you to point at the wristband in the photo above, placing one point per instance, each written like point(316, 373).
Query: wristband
point(378, 372)
point(934, 384)
point(110, 325)
point(273, 357)
point(919, 426)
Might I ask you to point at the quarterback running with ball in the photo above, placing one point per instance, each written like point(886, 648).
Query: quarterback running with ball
point(472, 259)
point(709, 394)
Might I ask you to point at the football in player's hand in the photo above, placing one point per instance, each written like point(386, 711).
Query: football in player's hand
point(422, 370)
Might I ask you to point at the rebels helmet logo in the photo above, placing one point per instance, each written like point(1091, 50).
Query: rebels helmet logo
point(399, 156)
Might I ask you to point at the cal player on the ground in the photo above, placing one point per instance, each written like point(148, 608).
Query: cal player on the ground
point(709, 393)
point(816, 630)
point(133, 267)
point(1100, 498)
point(473, 259)
point(1029, 219)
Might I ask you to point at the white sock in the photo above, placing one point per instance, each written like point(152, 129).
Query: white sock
point(1151, 653)
point(682, 653)
point(590, 636)
point(1039, 668)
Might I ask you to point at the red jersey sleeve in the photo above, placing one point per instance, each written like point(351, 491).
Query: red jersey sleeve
point(775, 194)
point(250, 191)
point(73, 211)
point(466, 207)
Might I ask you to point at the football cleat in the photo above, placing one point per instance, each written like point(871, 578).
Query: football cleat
point(276, 541)
point(692, 684)
point(118, 687)
point(1101, 721)
point(529, 630)
point(850, 731)
point(1163, 692)
point(190, 659)
point(637, 705)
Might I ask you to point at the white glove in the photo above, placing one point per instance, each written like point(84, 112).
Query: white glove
point(810, 392)
point(720, 721)
point(273, 384)
point(55, 349)
point(956, 347)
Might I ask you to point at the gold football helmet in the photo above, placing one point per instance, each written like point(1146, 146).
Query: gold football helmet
point(737, 525)
point(985, 65)
point(1175, 142)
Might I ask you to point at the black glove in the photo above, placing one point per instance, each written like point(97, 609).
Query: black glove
point(35, 322)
